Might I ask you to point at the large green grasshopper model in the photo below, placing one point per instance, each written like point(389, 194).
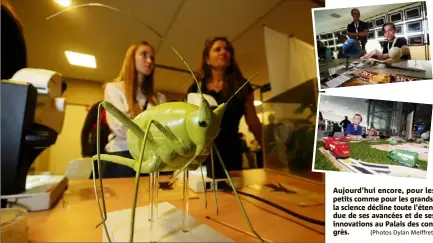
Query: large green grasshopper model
point(404, 157)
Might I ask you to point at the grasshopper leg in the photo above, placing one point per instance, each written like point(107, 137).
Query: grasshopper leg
point(103, 210)
point(109, 158)
point(112, 110)
point(204, 187)
point(155, 164)
point(237, 196)
point(128, 123)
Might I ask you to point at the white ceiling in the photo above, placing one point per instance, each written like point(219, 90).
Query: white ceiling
point(335, 108)
point(324, 22)
point(184, 23)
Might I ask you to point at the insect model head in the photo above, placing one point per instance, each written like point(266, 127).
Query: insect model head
point(203, 125)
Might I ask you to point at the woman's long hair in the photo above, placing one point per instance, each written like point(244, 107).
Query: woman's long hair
point(128, 75)
point(233, 75)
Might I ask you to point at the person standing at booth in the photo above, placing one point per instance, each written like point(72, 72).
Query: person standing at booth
point(344, 123)
point(220, 76)
point(358, 29)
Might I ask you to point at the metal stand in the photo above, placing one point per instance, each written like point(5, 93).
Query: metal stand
point(153, 203)
point(185, 226)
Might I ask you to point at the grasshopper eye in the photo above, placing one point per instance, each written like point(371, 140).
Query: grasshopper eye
point(202, 123)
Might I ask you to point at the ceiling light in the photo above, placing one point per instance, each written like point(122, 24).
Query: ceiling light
point(257, 102)
point(64, 3)
point(82, 60)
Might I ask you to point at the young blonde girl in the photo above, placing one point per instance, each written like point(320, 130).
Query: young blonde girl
point(132, 92)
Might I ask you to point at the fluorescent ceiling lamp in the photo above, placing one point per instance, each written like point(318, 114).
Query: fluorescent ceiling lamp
point(82, 60)
point(257, 102)
point(64, 3)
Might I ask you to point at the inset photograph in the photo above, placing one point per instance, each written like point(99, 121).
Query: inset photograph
point(371, 136)
point(370, 45)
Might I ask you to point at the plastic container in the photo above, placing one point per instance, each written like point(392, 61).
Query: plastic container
point(14, 225)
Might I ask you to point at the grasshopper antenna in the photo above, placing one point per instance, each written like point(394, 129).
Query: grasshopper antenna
point(237, 91)
point(137, 19)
